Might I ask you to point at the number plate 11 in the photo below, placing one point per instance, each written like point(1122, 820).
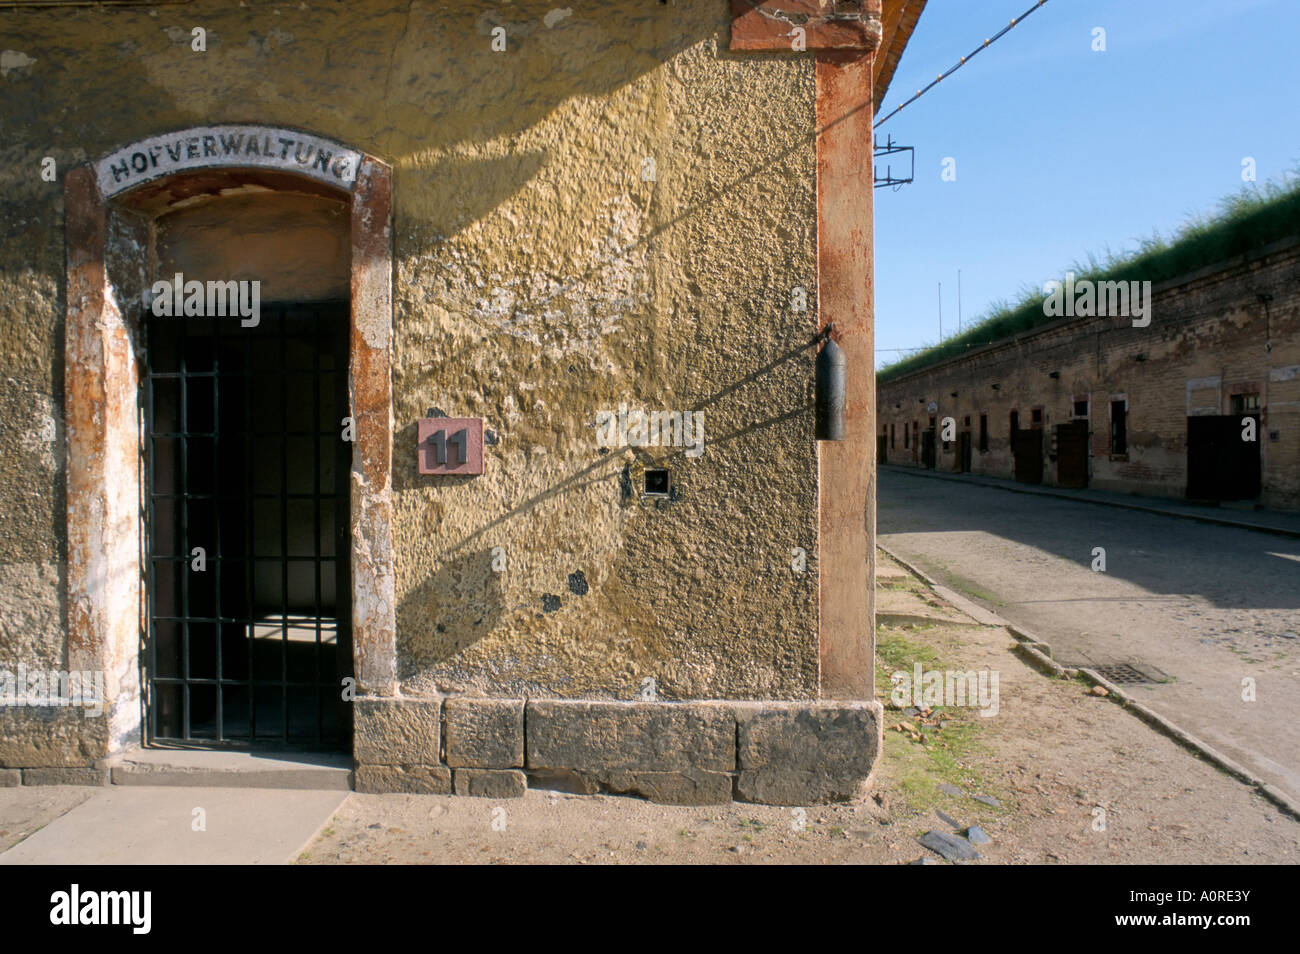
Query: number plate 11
point(450, 445)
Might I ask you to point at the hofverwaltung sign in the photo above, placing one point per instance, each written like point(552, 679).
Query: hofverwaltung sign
point(207, 147)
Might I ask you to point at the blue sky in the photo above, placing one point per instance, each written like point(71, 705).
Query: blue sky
point(1061, 150)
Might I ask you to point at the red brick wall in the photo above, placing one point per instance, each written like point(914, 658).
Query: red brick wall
point(1204, 326)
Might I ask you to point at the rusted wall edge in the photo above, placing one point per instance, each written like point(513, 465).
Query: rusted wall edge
point(846, 469)
point(370, 384)
point(797, 25)
point(102, 460)
point(86, 231)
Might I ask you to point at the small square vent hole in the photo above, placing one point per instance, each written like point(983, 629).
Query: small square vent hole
point(656, 482)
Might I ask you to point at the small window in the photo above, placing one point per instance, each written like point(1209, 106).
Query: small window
point(1015, 422)
point(1245, 404)
point(984, 433)
point(1118, 427)
point(1036, 415)
point(1080, 408)
point(906, 445)
point(966, 422)
point(891, 436)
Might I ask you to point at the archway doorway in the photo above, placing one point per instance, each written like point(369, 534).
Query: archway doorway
point(152, 398)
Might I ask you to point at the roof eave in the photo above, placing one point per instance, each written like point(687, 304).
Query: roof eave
point(898, 22)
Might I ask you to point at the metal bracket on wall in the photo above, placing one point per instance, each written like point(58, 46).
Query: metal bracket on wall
point(889, 179)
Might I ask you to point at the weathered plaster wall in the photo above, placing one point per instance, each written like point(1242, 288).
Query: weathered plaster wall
point(32, 543)
point(297, 246)
point(601, 288)
point(540, 278)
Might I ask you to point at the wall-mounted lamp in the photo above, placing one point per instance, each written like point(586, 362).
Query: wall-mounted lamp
point(1264, 298)
point(830, 389)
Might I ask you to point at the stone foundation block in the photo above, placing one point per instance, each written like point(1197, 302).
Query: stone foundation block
point(402, 779)
point(10, 778)
point(65, 776)
point(397, 731)
point(50, 737)
point(672, 788)
point(484, 733)
point(490, 783)
point(597, 737)
point(558, 780)
point(806, 754)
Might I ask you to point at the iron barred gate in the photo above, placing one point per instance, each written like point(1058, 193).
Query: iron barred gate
point(246, 524)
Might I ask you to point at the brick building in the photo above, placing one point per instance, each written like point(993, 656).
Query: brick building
point(319, 323)
point(1107, 403)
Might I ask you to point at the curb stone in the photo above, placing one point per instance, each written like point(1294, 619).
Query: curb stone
point(1212, 755)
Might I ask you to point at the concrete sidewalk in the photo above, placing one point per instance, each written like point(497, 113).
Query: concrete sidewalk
point(131, 825)
point(1280, 522)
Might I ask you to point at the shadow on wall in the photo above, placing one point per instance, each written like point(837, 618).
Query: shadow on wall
point(401, 80)
point(551, 54)
point(397, 79)
point(449, 611)
point(464, 601)
point(409, 82)
point(603, 467)
point(473, 188)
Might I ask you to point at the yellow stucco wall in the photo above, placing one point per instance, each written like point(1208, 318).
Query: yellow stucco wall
point(539, 278)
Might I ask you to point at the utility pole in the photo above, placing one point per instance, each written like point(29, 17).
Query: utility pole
point(941, 311)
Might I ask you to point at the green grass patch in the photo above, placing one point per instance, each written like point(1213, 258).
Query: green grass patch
point(951, 755)
point(898, 652)
point(970, 588)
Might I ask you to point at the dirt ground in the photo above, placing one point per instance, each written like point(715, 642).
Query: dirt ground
point(1075, 779)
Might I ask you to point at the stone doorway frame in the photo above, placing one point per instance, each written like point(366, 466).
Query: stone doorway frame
point(108, 249)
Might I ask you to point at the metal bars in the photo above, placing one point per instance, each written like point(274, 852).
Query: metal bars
point(246, 522)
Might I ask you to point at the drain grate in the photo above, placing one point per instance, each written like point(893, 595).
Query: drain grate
point(1127, 674)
